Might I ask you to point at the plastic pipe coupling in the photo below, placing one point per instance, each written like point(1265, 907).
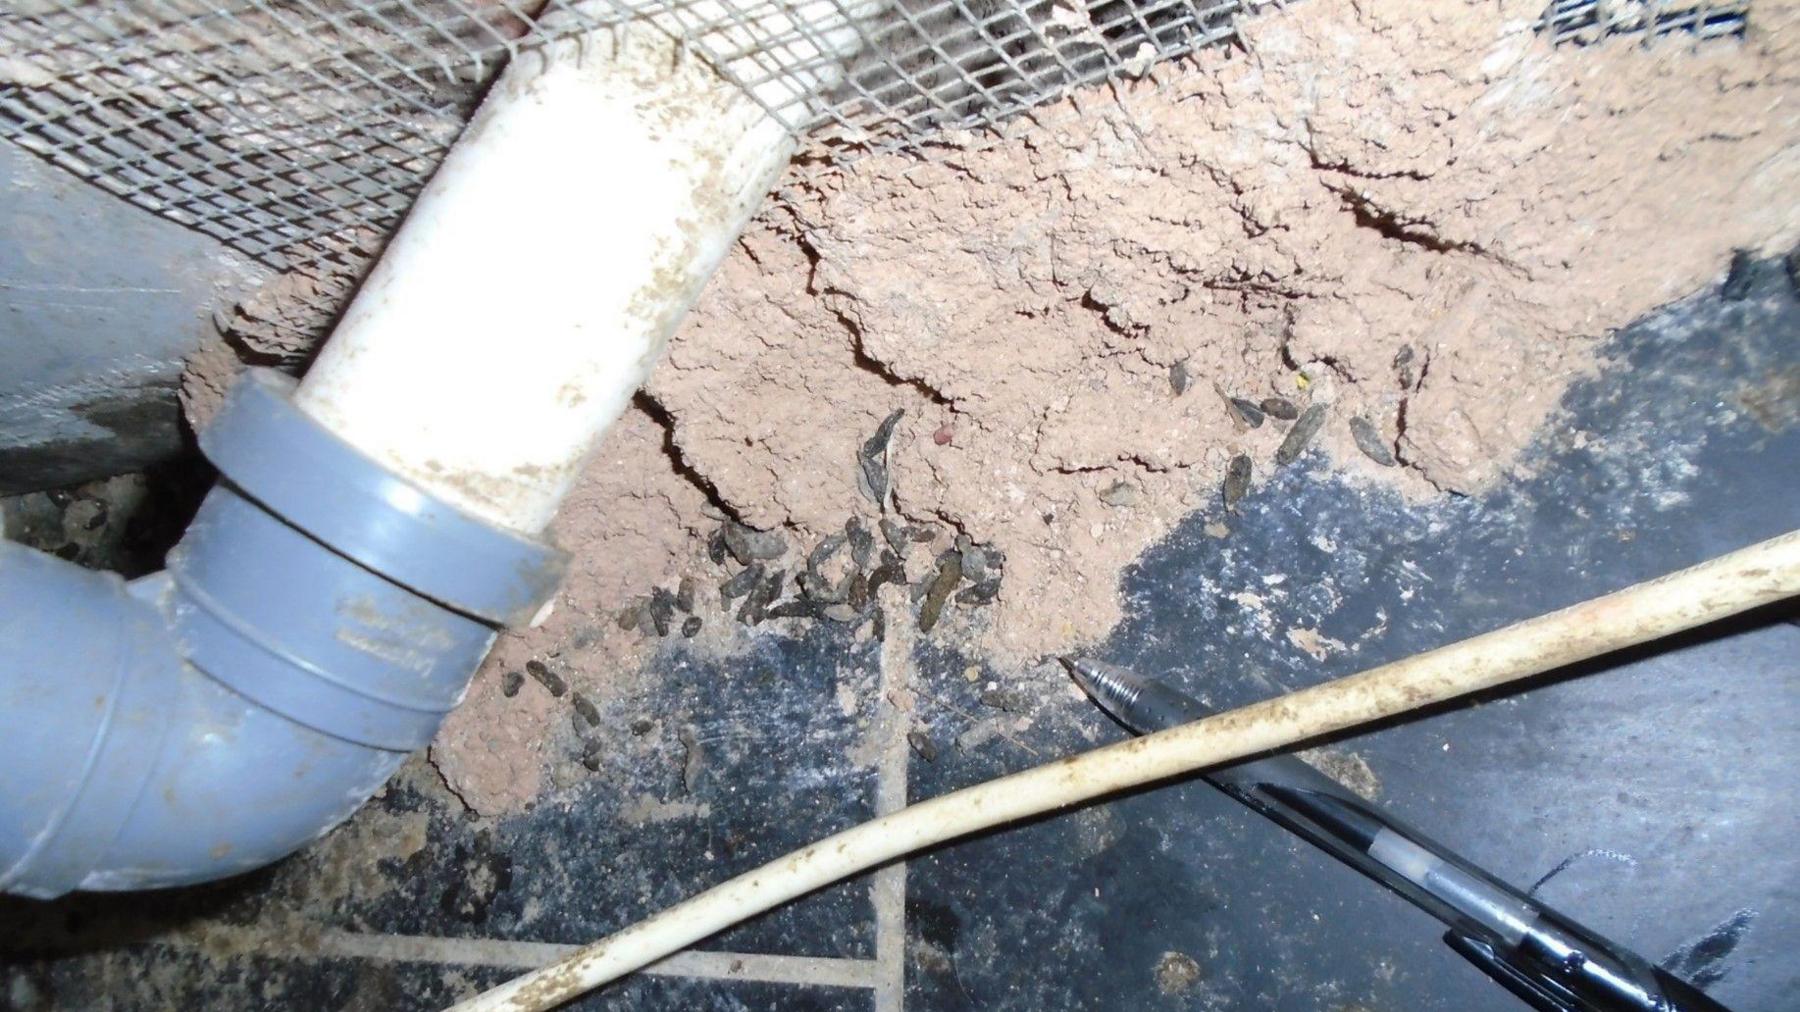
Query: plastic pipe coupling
point(316, 623)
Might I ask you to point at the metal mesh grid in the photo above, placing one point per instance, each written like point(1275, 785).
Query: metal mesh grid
point(1588, 21)
point(299, 131)
point(283, 126)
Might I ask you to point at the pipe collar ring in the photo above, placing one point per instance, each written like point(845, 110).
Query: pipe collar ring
point(282, 458)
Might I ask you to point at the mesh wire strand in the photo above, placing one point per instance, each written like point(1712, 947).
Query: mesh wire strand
point(293, 129)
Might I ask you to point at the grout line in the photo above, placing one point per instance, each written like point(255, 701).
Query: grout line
point(512, 955)
point(890, 938)
point(821, 970)
point(889, 890)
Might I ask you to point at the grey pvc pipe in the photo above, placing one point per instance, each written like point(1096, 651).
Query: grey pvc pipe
point(315, 624)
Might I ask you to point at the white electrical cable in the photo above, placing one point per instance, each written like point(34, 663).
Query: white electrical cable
point(1760, 574)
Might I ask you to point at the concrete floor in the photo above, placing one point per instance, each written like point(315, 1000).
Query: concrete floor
point(1649, 797)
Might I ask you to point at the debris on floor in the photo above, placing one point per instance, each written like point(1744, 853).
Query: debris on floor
point(1389, 243)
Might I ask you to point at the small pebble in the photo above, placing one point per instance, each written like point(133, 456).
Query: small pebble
point(745, 580)
point(1237, 480)
point(1280, 407)
point(547, 678)
point(661, 610)
point(943, 435)
point(884, 432)
point(1740, 277)
point(824, 550)
point(923, 534)
point(980, 593)
point(841, 613)
point(590, 756)
point(818, 588)
point(862, 543)
point(857, 597)
point(685, 593)
point(760, 597)
point(798, 607)
point(872, 473)
point(585, 709)
point(977, 564)
point(771, 588)
point(749, 545)
point(1403, 364)
point(1369, 441)
point(1301, 434)
point(641, 726)
point(69, 552)
point(1010, 700)
point(937, 592)
point(878, 626)
point(715, 547)
point(750, 613)
point(630, 615)
point(510, 682)
point(1246, 412)
point(890, 571)
point(88, 514)
point(690, 627)
point(1119, 493)
point(894, 535)
point(1179, 378)
point(922, 744)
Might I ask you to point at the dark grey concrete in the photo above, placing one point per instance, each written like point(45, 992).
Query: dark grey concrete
point(99, 303)
point(1651, 793)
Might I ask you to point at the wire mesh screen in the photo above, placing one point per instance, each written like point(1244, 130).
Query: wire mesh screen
point(299, 131)
point(283, 128)
point(1588, 21)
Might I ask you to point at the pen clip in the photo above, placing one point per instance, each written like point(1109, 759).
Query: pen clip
point(1527, 985)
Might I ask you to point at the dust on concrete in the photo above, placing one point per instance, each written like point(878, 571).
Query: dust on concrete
point(648, 809)
point(1314, 643)
point(208, 936)
point(1347, 768)
point(349, 863)
point(1176, 973)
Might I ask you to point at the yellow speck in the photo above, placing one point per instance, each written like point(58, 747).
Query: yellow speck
point(1301, 381)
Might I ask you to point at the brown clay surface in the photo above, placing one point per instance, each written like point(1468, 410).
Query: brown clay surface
point(1287, 220)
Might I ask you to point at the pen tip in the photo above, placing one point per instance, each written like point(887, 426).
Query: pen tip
point(1081, 670)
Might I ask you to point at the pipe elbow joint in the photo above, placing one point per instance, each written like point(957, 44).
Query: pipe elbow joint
point(316, 623)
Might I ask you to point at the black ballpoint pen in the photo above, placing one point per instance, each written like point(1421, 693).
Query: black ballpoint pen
point(1547, 960)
